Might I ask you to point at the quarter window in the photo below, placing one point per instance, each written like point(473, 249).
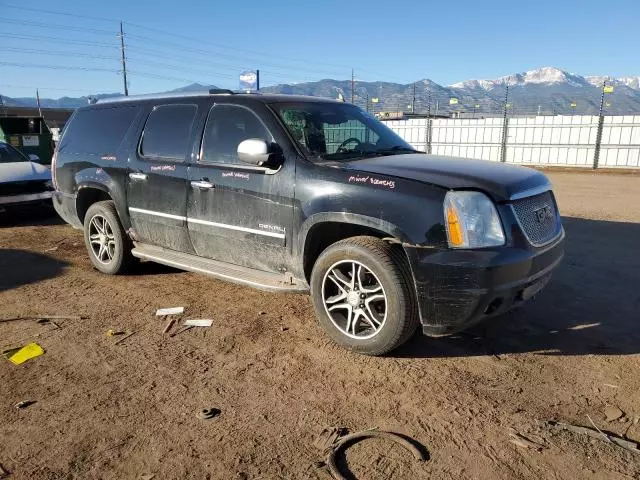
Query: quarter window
point(167, 133)
point(97, 131)
point(227, 126)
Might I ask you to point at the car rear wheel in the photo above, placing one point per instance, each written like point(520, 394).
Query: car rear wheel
point(361, 291)
point(107, 243)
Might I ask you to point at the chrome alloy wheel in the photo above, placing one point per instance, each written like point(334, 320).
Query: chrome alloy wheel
point(354, 299)
point(102, 240)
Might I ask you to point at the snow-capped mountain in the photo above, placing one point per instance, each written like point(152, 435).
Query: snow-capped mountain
point(631, 82)
point(539, 76)
point(547, 90)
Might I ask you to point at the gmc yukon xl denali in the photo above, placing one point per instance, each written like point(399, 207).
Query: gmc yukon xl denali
point(299, 194)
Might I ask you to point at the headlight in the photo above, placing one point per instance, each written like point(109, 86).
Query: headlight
point(472, 220)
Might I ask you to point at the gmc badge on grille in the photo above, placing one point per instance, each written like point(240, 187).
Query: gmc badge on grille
point(543, 214)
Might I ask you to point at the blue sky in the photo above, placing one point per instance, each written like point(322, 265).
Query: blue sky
point(171, 44)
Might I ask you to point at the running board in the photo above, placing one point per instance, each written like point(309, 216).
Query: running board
point(273, 282)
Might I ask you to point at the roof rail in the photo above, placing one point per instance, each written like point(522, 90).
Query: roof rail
point(153, 96)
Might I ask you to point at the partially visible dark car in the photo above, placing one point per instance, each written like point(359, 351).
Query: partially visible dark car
point(23, 181)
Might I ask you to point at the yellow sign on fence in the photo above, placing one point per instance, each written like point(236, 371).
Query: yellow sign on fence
point(453, 101)
point(608, 89)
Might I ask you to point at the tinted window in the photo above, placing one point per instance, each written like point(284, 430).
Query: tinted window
point(9, 154)
point(227, 126)
point(98, 131)
point(167, 133)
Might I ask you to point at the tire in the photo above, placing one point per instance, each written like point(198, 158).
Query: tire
point(117, 258)
point(382, 324)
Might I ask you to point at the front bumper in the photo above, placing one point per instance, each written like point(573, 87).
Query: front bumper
point(458, 288)
point(12, 200)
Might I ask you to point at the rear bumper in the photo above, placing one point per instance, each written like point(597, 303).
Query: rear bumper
point(456, 289)
point(65, 206)
point(25, 198)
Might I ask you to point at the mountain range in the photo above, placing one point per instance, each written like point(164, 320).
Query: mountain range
point(547, 90)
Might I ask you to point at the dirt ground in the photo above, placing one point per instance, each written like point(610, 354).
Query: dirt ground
point(128, 410)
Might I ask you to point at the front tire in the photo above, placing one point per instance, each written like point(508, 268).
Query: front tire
point(362, 295)
point(107, 243)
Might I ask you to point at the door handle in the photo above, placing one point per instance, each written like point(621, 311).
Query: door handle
point(138, 176)
point(202, 184)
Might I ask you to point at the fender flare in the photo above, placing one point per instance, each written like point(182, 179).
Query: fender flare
point(98, 179)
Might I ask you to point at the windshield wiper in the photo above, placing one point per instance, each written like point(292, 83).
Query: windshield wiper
point(396, 149)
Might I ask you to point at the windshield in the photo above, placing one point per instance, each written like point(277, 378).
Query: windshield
point(8, 154)
point(338, 131)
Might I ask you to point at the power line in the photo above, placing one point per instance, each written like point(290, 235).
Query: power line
point(168, 66)
point(55, 26)
point(57, 53)
point(230, 47)
point(57, 67)
point(161, 77)
point(32, 87)
point(254, 53)
point(209, 53)
point(57, 39)
point(52, 12)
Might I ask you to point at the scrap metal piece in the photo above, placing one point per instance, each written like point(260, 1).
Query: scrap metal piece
point(198, 322)
point(620, 442)
point(24, 404)
point(208, 413)
point(123, 338)
point(169, 311)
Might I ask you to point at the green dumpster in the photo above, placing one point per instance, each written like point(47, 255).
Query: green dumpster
point(31, 135)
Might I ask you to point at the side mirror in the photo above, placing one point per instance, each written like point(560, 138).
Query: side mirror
point(255, 151)
point(34, 158)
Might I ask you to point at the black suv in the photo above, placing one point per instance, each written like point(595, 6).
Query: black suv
point(300, 194)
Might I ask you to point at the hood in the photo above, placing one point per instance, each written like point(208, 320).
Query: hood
point(500, 180)
point(23, 172)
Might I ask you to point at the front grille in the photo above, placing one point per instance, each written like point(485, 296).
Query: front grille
point(538, 217)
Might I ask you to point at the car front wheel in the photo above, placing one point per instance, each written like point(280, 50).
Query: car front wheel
point(361, 291)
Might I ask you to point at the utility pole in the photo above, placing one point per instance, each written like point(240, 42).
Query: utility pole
point(503, 149)
point(124, 62)
point(258, 80)
point(38, 100)
point(596, 154)
point(353, 85)
point(413, 101)
point(429, 124)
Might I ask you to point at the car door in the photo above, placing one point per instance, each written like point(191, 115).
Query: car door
point(157, 176)
point(239, 213)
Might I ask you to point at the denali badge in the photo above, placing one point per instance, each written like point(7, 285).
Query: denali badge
point(543, 214)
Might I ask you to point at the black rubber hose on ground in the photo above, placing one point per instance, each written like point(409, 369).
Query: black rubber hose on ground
point(354, 437)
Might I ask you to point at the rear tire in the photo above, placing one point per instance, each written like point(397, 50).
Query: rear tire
point(107, 243)
point(376, 312)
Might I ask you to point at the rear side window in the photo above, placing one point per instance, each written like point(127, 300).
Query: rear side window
point(167, 133)
point(227, 126)
point(98, 131)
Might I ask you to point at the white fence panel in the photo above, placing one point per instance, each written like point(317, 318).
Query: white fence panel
point(562, 140)
point(620, 147)
point(475, 138)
